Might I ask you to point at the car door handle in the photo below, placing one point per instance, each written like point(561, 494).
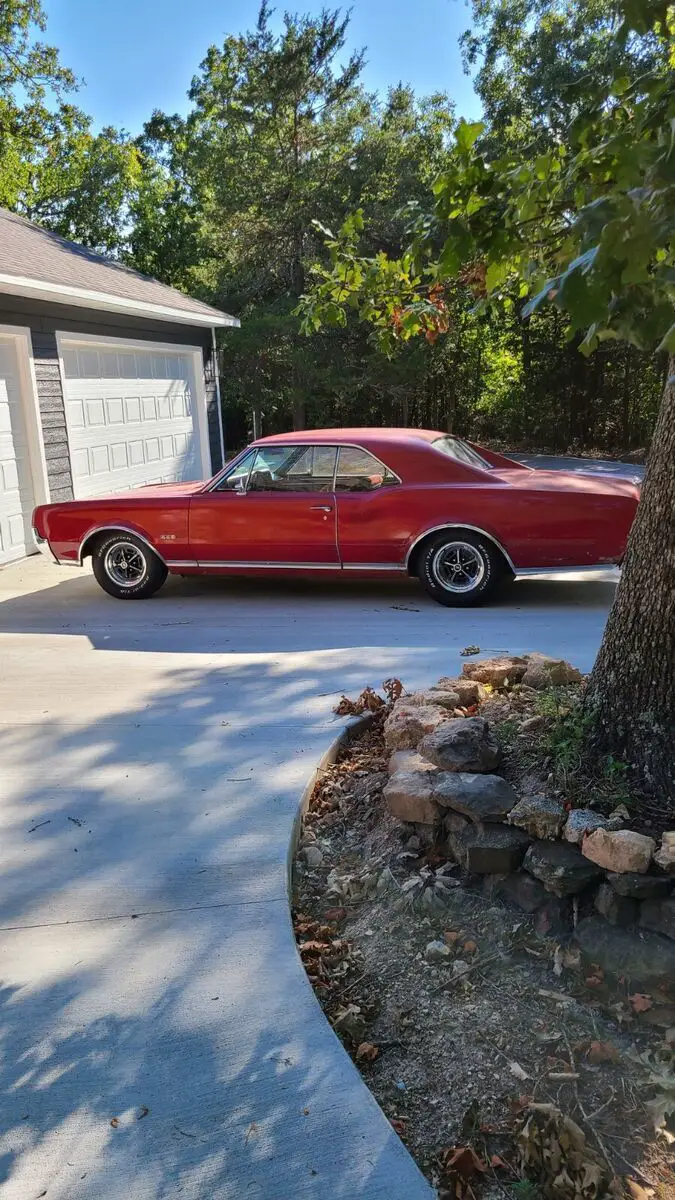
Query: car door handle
point(321, 508)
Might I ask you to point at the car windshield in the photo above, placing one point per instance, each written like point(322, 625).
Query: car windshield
point(461, 452)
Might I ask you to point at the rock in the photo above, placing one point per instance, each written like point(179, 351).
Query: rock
point(581, 822)
point(521, 890)
point(618, 817)
point(618, 910)
point(410, 760)
point(554, 917)
point(406, 725)
point(645, 959)
point(413, 844)
point(543, 672)
point(454, 822)
point(434, 696)
point(659, 915)
point(479, 797)
point(464, 744)
point(469, 691)
point(488, 850)
point(437, 952)
point(665, 856)
point(409, 797)
point(640, 887)
point(540, 816)
point(560, 867)
point(619, 850)
point(313, 857)
point(497, 672)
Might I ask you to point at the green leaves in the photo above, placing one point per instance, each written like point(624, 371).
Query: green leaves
point(467, 133)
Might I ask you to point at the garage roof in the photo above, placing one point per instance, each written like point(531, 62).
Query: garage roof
point(42, 265)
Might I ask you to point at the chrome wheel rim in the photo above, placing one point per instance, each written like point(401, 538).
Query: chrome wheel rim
point(458, 567)
point(124, 564)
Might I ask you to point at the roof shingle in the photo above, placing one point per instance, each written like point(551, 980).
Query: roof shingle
point(30, 253)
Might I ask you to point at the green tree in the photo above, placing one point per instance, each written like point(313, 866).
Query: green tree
point(535, 59)
point(588, 225)
point(280, 131)
point(53, 168)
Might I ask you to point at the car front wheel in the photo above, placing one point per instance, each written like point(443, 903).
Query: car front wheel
point(126, 567)
point(460, 569)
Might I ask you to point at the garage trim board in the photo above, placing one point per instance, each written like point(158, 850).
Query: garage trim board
point(23, 469)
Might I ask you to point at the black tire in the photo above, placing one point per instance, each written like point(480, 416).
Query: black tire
point(449, 561)
point(116, 554)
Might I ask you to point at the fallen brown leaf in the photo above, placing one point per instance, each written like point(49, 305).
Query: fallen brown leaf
point(640, 1003)
point(335, 914)
point(602, 1052)
point(367, 1052)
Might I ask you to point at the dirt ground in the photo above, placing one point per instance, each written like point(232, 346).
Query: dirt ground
point(505, 1067)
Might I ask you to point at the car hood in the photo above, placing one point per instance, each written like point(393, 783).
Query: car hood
point(163, 491)
point(535, 480)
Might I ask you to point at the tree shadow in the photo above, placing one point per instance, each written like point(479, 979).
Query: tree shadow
point(149, 796)
point(148, 960)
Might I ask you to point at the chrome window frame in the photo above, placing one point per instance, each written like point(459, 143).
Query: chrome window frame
point(213, 486)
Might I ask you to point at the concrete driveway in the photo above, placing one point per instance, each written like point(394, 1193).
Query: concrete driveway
point(160, 1039)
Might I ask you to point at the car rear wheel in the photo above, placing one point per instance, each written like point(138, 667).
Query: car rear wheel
point(460, 569)
point(125, 567)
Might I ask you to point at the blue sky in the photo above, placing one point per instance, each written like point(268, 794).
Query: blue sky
point(136, 55)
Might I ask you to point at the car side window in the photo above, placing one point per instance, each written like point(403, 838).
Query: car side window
point(236, 480)
point(293, 469)
point(359, 471)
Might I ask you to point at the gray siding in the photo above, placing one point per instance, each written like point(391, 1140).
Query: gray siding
point(52, 415)
point(45, 319)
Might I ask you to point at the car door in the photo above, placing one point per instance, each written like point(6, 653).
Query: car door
point(274, 508)
point(372, 512)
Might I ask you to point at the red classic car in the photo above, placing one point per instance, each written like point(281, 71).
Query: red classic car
point(408, 501)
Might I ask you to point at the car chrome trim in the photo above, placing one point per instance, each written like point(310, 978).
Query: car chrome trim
point(230, 466)
point(373, 567)
point(530, 572)
point(449, 525)
point(180, 562)
point(116, 529)
point(275, 566)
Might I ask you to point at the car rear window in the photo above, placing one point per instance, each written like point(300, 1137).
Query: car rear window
point(461, 452)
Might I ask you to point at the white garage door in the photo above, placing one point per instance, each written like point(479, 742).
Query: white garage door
point(16, 485)
point(131, 418)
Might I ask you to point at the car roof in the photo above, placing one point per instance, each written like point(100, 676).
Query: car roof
point(359, 435)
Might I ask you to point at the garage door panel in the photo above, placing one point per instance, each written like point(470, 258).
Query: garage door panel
point(130, 419)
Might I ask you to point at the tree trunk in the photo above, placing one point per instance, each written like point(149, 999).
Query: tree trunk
point(299, 414)
point(631, 695)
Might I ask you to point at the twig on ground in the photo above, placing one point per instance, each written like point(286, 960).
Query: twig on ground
point(484, 962)
point(589, 1124)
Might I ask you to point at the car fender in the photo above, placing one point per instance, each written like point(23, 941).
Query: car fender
point(449, 525)
point(115, 527)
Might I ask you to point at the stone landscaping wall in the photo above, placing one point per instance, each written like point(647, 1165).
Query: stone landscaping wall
point(569, 868)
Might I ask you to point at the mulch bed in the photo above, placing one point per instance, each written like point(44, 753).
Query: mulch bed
point(506, 1070)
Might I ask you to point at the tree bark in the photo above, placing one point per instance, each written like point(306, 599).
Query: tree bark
point(631, 694)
